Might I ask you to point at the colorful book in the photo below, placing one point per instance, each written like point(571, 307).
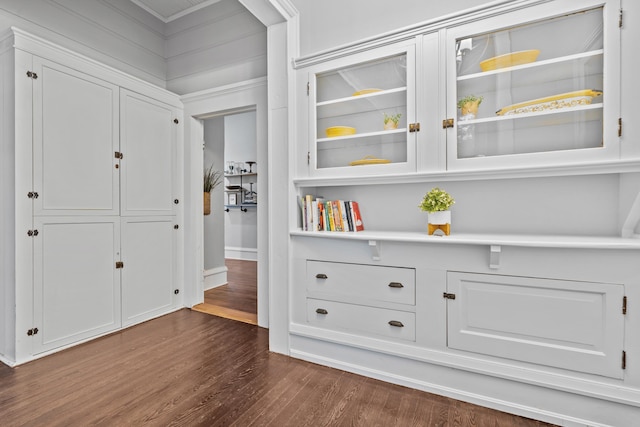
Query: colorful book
point(357, 218)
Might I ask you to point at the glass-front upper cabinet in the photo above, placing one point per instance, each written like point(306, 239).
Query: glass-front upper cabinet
point(534, 86)
point(362, 114)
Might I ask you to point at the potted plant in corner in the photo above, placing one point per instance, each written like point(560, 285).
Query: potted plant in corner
point(212, 179)
point(391, 122)
point(437, 203)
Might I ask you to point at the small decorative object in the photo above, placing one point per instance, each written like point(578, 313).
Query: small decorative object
point(391, 122)
point(250, 166)
point(437, 203)
point(468, 111)
point(509, 60)
point(334, 131)
point(233, 199)
point(211, 180)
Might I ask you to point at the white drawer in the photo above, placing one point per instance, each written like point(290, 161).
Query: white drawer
point(371, 282)
point(362, 319)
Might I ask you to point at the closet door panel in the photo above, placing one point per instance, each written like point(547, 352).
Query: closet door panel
point(148, 142)
point(148, 276)
point(75, 125)
point(77, 285)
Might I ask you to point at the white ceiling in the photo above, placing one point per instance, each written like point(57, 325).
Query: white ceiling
point(168, 10)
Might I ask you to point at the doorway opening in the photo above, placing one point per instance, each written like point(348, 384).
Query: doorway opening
point(230, 231)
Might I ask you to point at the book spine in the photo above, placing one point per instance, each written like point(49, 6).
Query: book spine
point(309, 211)
point(337, 215)
point(359, 225)
point(332, 223)
point(348, 215)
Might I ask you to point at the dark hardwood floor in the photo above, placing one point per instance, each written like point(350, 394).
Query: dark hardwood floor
point(191, 369)
point(238, 299)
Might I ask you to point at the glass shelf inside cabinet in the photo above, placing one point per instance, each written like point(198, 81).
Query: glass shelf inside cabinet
point(539, 86)
point(351, 105)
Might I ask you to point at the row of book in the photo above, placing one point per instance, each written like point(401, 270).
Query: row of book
point(330, 215)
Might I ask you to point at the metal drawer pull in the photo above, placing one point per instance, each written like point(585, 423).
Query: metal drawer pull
point(321, 276)
point(396, 285)
point(396, 323)
point(321, 311)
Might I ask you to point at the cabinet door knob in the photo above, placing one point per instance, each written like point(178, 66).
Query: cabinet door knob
point(321, 276)
point(396, 323)
point(396, 285)
point(321, 311)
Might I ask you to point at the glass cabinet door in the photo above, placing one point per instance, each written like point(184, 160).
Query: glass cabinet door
point(362, 115)
point(530, 89)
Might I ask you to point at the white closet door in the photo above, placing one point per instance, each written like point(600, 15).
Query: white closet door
point(148, 275)
point(77, 285)
point(148, 144)
point(75, 131)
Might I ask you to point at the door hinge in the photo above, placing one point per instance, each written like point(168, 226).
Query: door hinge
point(308, 88)
point(624, 304)
point(414, 127)
point(32, 233)
point(624, 359)
point(448, 296)
point(308, 157)
point(119, 264)
point(118, 155)
point(33, 331)
point(32, 75)
point(447, 123)
point(620, 126)
point(32, 195)
point(620, 19)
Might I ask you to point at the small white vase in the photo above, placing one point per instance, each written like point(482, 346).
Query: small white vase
point(439, 218)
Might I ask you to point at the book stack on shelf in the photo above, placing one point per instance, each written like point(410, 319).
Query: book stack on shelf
point(331, 215)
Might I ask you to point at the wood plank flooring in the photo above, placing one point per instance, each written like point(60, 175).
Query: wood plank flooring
point(238, 299)
point(191, 369)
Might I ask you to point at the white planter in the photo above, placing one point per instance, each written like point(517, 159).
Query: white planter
point(439, 218)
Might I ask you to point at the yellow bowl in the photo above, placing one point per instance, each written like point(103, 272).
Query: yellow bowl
point(369, 160)
point(509, 60)
point(334, 131)
point(366, 91)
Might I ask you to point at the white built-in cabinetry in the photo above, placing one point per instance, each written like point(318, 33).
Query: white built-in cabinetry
point(529, 322)
point(94, 223)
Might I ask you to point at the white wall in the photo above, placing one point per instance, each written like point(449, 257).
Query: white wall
point(114, 32)
point(216, 46)
point(241, 228)
point(330, 23)
point(214, 223)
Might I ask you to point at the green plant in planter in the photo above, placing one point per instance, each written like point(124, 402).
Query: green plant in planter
point(436, 200)
point(212, 179)
point(394, 118)
point(470, 104)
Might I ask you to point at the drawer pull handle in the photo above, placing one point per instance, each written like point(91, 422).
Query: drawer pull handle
point(396, 323)
point(321, 311)
point(396, 285)
point(321, 276)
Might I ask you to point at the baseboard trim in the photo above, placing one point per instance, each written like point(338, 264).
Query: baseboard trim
point(246, 254)
point(215, 277)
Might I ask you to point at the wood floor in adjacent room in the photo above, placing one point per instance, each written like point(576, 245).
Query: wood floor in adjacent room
point(238, 299)
point(192, 369)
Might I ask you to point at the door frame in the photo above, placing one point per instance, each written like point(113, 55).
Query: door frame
point(248, 95)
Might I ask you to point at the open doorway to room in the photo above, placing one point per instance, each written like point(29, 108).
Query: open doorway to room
point(230, 231)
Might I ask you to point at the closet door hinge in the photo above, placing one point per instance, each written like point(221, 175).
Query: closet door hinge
point(448, 296)
point(308, 157)
point(414, 127)
point(624, 359)
point(32, 75)
point(620, 19)
point(624, 304)
point(308, 88)
point(118, 155)
point(33, 331)
point(447, 123)
point(32, 195)
point(119, 264)
point(620, 126)
point(32, 233)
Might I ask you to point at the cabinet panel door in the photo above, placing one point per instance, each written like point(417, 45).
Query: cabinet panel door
point(148, 276)
point(565, 324)
point(75, 131)
point(148, 142)
point(76, 283)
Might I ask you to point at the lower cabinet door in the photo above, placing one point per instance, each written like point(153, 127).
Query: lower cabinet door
point(362, 319)
point(148, 273)
point(560, 323)
point(76, 283)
